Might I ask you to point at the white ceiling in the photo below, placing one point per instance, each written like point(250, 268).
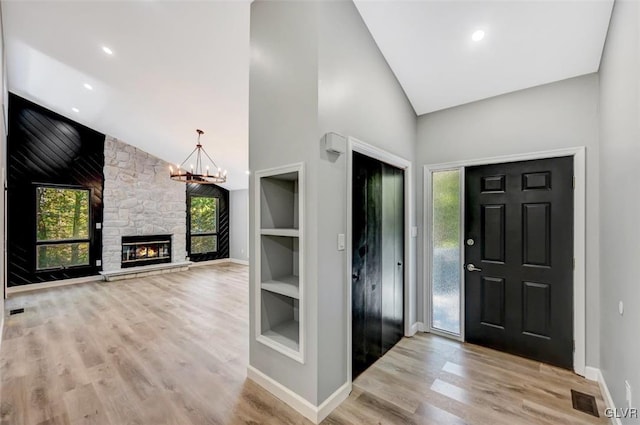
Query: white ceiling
point(527, 43)
point(182, 65)
point(177, 66)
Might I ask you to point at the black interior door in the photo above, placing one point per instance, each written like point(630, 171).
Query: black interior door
point(392, 256)
point(519, 255)
point(377, 260)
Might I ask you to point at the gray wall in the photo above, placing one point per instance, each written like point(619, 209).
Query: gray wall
point(358, 96)
point(239, 224)
point(314, 69)
point(283, 129)
point(620, 203)
point(558, 115)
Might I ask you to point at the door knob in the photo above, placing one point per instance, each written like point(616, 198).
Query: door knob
point(399, 263)
point(472, 268)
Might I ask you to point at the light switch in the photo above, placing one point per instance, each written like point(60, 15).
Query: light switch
point(414, 231)
point(341, 242)
point(98, 226)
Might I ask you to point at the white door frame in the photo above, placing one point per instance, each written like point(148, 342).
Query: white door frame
point(579, 240)
point(355, 145)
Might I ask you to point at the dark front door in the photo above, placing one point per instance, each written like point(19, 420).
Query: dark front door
point(519, 258)
point(378, 256)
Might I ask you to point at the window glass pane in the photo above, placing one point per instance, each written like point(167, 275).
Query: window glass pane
point(204, 215)
point(62, 255)
point(446, 251)
point(204, 244)
point(62, 213)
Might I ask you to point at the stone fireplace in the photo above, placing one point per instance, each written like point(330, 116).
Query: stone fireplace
point(140, 200)
point(145, 250)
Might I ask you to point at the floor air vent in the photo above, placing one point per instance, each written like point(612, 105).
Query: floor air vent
point(585, 403)
point(16, 311)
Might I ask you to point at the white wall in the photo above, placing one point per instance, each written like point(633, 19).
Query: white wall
point(620, 203)
point(239, 224)
point(558, 115)
point(324, 73)
point(358, 96)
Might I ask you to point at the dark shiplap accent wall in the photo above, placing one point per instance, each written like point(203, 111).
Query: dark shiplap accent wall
point(44, 147)
point(223, 217)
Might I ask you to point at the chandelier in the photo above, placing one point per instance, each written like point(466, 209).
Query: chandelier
point(199, 172)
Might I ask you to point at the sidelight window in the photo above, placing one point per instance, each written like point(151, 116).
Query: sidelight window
point(203, 224)
point(63, 222)
point(445, 261)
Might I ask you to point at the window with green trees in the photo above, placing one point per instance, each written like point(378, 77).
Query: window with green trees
point(446, 263)
point(203, 224)
point(62, 234)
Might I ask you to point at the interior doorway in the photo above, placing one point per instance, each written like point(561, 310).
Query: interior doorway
point(377, 259)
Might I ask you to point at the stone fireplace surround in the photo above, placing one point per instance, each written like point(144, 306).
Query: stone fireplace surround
point(139, 199)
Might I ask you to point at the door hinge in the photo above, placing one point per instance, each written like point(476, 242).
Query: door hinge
point(574, 182)
point(574, 345)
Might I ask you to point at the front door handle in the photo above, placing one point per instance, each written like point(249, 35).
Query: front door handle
point(472, 268)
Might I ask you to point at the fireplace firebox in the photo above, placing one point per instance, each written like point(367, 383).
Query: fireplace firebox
point(145, 250)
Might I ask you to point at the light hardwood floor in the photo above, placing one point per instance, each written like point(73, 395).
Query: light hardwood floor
point(173, 349)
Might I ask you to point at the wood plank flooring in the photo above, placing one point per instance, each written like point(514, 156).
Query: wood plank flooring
point(173, 349)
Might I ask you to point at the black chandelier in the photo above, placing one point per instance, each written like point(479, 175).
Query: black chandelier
point(198, 172)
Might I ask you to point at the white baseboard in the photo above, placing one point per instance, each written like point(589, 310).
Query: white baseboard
point(209, 262)
point(219, 261)
point(333, 401)
point(236, 261)
point(315, 414)
point(595, 374)
point(592, 373)
point(415, 328)
point(54, 284)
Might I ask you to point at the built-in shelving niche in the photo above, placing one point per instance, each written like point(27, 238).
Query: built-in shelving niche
point(279, 240)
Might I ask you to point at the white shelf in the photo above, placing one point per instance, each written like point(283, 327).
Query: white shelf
point(285, 334)
point(287, 286)
point(294, 233)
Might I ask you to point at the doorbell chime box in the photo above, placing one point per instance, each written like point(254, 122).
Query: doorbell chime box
point(335, 143)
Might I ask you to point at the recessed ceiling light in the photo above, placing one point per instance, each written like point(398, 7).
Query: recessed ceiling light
point(107, 50)
point(477, 35)
point(88, 86)
point(76, 110)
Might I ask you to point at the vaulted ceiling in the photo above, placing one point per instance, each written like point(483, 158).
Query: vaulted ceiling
point(175, 67)
point(429, 45)
point(178, 66)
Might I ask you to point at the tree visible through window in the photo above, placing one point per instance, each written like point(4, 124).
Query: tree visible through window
point(446, 263)
point(62, 234)
point(204, 224)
